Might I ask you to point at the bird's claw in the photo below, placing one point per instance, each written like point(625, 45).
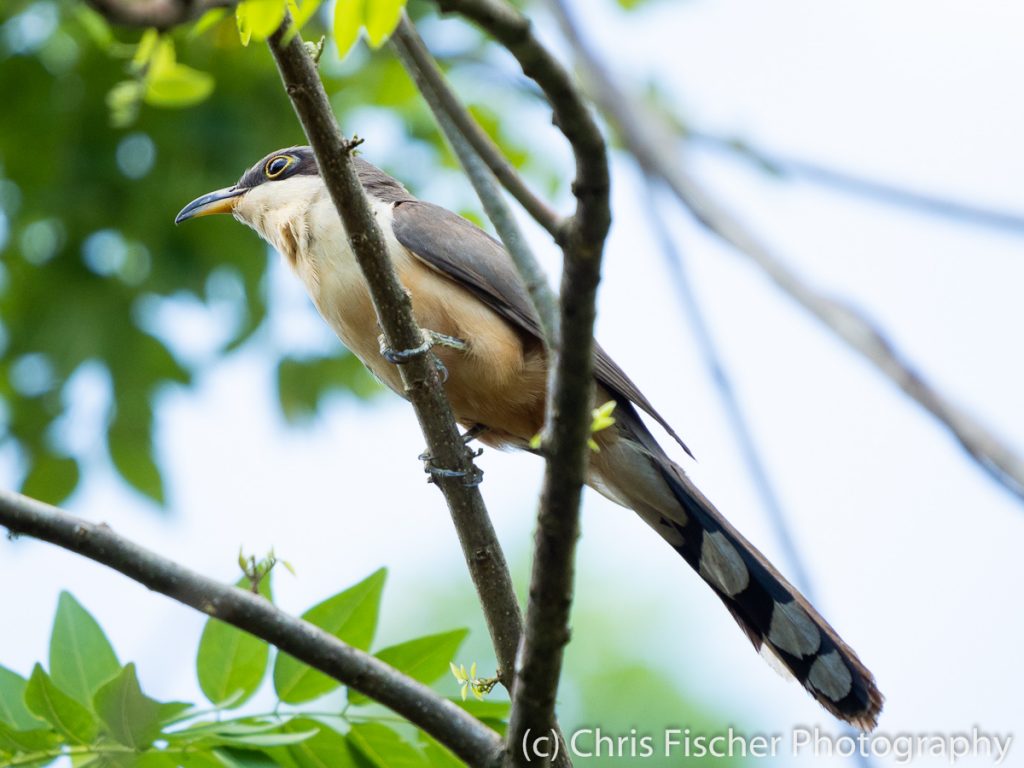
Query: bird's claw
point(430, 339)
point(400, 356)
point(470, 478)
point(473, 433)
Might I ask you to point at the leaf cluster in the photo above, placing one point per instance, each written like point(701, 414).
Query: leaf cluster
point(90, 707)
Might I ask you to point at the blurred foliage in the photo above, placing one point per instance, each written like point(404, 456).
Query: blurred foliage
point(90, 707)
point(93, 167)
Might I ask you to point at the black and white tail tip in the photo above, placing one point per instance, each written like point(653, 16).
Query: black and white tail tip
point(787, 631)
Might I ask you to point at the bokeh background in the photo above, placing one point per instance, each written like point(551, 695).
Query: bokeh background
point(177, 384)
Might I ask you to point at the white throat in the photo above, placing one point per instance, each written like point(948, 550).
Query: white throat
point(298, 218)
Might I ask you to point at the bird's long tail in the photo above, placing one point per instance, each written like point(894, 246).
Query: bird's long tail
point(633, 470)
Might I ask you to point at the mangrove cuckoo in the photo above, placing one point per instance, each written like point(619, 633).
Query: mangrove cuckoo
point(466, 291)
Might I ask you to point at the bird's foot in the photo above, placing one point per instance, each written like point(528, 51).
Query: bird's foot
point(444, 340)
point(470, 478)
point(430, 339)
point(473, 433)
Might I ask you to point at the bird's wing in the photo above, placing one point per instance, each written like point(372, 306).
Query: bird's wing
point(462, 251)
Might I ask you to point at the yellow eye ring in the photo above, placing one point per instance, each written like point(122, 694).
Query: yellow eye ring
point(278, 165)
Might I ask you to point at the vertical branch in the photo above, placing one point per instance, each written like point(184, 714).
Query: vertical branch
point(423, 385)
point(570, 391)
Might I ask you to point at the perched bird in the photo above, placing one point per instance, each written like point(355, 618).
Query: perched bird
point(466, 292)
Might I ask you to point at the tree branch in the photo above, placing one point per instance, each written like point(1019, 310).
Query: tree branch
point(423, 385)
point(467, 737)
point(852, 183)
point(161, 14)
point(445, 101)
point(727, 394)
point(474, 148)
point(651, 143)
point(570, 394)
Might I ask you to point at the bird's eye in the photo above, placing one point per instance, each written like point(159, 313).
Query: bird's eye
point(276, 166)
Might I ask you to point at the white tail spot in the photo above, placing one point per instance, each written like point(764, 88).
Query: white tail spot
point(830, 675)
point(722, 565)
point(792, 630)
point(775, 661)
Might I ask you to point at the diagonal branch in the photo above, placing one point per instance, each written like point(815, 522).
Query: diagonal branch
point(853, 183)
point(467, 737)
point(727, 393)
point(423, 385)
point(444, 101)
point(570, 389)
point(480, 158)
point(652, 145)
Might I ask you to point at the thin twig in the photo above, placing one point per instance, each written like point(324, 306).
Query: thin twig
point(570, 391)
point(853, 183)
point(467, 737)
point(423, 385)
point(719, 375)
point(652, 145)
point(458, 125)
point(468, 127)
point(734, 412)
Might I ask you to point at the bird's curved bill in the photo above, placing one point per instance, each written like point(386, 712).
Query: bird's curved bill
point(221, 201)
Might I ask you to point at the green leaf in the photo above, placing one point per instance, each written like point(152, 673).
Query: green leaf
point(129, 715)
point(244, 758)
point(437, 755)
point(174, 711)
point(242, 19)
point(303, 11)
point(207, 21)
point(302, 384)
point(348, 20)
point(51, 478)
point(123, 100)
point(262, 17)
point(384, 747)
point(95, 25)
point(381, 18)
point(81, 657)
point(170, 84)
point(269, 739)
point(425, 659)
point(13, 711)
point(131, 449)
point(491, 713)
point(327, 749)
point(231, 663)
point(239, 734)
point(35, 740)
point(351, 616)
point(44, 699)
point(149, 48)
point(178, 86)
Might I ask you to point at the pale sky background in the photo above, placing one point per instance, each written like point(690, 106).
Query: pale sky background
point(913, 550)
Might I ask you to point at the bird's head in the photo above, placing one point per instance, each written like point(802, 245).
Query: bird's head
point(281, 179)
